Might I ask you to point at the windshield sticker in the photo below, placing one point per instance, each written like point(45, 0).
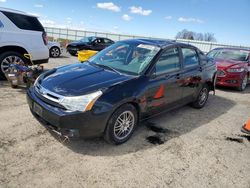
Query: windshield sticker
point(148, 47)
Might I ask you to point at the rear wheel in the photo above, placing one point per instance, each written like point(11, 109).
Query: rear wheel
point(243, 83)
point(121, 125)
point(8, 58)
point(54, 51)
point(201, 98)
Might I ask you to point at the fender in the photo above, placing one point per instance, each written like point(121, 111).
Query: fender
point(15, 44)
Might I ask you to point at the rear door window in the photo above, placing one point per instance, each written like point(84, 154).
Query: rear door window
point(168, 62)
point(190, 57)
point(24, 22)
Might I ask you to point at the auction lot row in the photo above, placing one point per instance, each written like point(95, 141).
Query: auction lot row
point(200, 147)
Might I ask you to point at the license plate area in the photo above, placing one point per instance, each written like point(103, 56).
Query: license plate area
point(37, 109)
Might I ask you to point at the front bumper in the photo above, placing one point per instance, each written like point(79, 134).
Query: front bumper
point(229, 80)
point(70, 124)
point(72, 50)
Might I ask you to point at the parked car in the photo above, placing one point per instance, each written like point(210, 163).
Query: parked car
point(55, 49)
point(233, 66)
point(121, 85)
point(21, 33)
point(89, 43)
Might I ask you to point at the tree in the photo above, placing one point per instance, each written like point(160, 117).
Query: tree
point(190, 35)
point(209, 37)
point(199, 36)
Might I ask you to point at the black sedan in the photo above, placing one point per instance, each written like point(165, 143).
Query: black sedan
point(89, 43)
point(120, 86)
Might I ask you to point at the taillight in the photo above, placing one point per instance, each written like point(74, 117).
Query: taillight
point(45, 38)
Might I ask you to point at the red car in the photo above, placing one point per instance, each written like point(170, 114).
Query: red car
point(233, 66)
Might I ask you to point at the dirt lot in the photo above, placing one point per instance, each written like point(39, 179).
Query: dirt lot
point(195, 152)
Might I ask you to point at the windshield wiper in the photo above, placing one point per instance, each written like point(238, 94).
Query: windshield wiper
point(108, 67)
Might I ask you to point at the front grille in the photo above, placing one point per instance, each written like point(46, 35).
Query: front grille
point(48, 97)
point(220, 73)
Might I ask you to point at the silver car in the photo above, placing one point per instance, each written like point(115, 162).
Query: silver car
point(55, 49)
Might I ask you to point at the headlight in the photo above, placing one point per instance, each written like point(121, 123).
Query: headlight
point(235, 70)
point(80, 103)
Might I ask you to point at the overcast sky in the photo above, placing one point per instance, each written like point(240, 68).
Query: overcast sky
point(229, 20)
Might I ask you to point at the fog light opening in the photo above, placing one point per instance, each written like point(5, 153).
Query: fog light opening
point(70, 133)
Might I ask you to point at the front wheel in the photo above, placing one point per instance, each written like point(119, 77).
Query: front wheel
point(201, 98)
point(121, 125)
point(243, 83)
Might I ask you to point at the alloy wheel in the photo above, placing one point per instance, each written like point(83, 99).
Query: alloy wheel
point(55, 52)
point(244, 83)
point(124, 125)
point(203, 96)
point(10, 60)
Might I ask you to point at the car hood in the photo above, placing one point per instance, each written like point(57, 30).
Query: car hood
point(79, 79)
point(77, 43)
point(221, 63)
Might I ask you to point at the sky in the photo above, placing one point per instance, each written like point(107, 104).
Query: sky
point(229, 20)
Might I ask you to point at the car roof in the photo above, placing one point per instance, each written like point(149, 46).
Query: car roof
point(16, 11)
point(101, 37)
point(162, 43)
point(232, 48)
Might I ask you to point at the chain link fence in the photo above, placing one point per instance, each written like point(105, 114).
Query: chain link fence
point(67, 35)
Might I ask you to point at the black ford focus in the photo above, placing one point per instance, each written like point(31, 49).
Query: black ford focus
point(120, 86)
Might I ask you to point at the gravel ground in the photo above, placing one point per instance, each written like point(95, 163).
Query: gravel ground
point(196, 149)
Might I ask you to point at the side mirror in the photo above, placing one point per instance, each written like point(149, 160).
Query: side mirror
point(153, 73)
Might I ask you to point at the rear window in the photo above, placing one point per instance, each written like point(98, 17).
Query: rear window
point(190, 57)
point(107, 41)
point(24, 22)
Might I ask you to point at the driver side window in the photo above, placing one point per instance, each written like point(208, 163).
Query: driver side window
point(168, 62)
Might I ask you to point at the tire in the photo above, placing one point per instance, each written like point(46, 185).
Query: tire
point(243, 83)
point(73, 54)
point(54, 52)
point(118, 132)
point(201, 98)
point(7, 58)
point(14, 86)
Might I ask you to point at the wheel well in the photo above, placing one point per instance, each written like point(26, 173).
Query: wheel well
point(54, 47)
point(137, 107)
point(17, 49)
point(210, 85)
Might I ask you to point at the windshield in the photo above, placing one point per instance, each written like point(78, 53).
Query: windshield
point(127, 57)
point(87, 39)
point(228, 54)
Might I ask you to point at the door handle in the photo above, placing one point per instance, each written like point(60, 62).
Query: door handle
point(177, 76)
